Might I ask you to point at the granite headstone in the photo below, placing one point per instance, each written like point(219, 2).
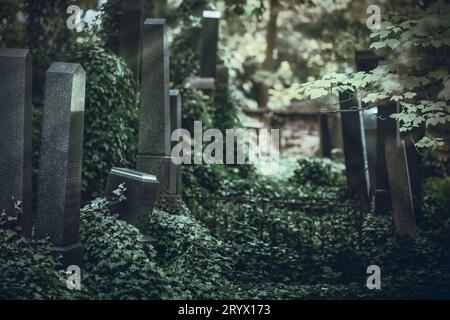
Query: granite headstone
point(15, 144)
point(59, 189)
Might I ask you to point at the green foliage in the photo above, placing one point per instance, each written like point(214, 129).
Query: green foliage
point(255, 249)
point(28, 269)
point(119, 263)
point(317, 172)
point(419, 81)
point(192, 257)
point(110, 125)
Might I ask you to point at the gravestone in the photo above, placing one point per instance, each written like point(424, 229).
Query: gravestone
point(141, 193)
point(415, 167)
point(175, 123)
point(58, 207)
point(154, 147)
point(370, 130)
point(206, 84)
point(367, 61)
point(354, 148)
point(382, 195)
point(15, 124)
point(325, 138)
point(209, 44)
point(130, 33)
point(221, 85)
point(398, 177)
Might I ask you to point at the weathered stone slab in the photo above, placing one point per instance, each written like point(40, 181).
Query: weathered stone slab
point(354, 148)
point(15, 143)
point(382, 195)
point(325, 138)
point(415, 167)
point(130, 34)
point(175, 123)
point(370, 133)
point(59, 190)
point(141, 193)
point(154, 117)
point(367, 61)
point(209, 44)
point(163, 168)
point(203, 84)
point(398, 177)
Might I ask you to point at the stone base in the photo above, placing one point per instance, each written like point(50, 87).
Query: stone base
point(72, 254)
point(163, 168)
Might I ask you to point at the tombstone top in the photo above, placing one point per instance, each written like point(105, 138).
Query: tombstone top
point(14, 52)
point(203, 83)
point(134, 175)
point(211, 14)
point(155, 21)
point(77, 73)
point(65, 67)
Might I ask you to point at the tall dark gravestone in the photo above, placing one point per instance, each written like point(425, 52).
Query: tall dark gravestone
point(209, 44)
point(15, 125)
point(382, 196)
point(415, 167)
point(175, 123)
point(221, 85)
point(367, 61)
point(398, 177)
point(154, 147)
point(325, 137)
point(59, 189)
point(354, 149)
point(130, 34)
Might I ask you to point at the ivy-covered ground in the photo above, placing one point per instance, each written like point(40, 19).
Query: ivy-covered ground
point(211, 249)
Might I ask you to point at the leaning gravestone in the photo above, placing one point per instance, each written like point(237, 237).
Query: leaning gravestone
point(398, 176)
point(58, 208)
point(154, 147)
point(175, 123)
point(354, 148)
point(130, 32)
point(141, 190)
point(15, 123)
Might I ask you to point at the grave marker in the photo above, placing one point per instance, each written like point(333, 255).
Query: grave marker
point(141, 193)
point(175, 123)
point(154, 149)
point(367, 61)
point(58, 208)
point(209, 44)
point(398, 177)
point(130, 34)
point(325, 138)
point(354, 148)
point(15, 124)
